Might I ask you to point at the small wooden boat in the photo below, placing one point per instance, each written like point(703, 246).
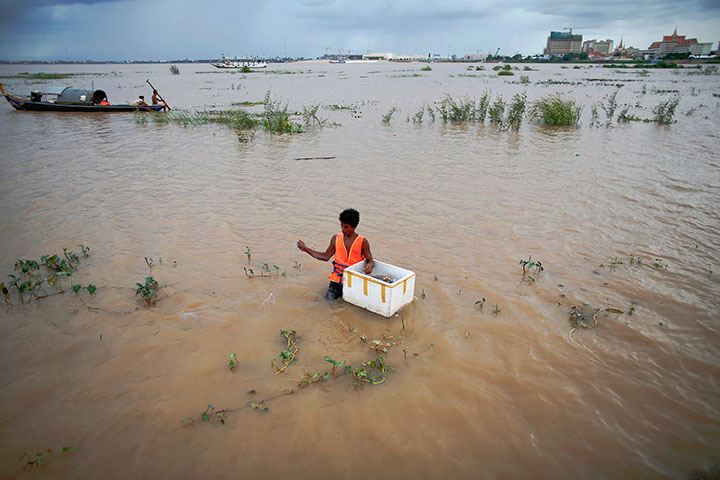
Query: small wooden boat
point(68, 99)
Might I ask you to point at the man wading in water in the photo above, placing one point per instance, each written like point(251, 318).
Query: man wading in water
point(348, 248)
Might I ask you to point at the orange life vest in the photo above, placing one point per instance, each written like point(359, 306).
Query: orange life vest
point(343, 259)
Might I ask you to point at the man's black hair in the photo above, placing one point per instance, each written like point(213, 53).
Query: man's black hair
point(350, 216)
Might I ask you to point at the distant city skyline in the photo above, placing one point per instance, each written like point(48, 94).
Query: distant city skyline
point(117, 30)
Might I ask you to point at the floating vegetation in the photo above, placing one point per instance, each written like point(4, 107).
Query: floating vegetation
point(249, 103)
point(554, 110)
point(626, 115)
point(426, 68)
point(661, 64)
point(31, 277)
point(524, 80)
point(557, 82)
point(587, 317)
point(45, 76)
point(505, 73)
point(174, 70)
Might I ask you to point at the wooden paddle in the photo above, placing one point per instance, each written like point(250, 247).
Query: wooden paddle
point(160, 97)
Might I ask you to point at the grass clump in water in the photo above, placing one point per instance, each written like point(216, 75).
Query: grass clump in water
point(554, 110)
point(462, 110)
point(276, 118)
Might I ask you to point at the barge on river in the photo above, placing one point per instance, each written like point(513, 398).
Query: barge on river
point(68, 99)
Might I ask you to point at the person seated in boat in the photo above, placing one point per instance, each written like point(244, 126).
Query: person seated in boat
point(100, 99)
point(140, 102)
point(348, 248)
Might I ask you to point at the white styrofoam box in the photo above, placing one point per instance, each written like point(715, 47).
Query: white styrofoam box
point(375, 295)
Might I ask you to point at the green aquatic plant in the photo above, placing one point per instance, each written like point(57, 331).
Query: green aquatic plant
point(288, 354)
point(36, 459)
point(335, 364)
point(426, 68)
point(496, 112)
point(524, 80)
point(90, 288)
point(457, 111)
point(515, 112)
point(174, 70)
point(310, 117)
point(388, 116)
point(508, 73)
point(233, 362)
point(30, 275)
point(665, 111)
point(276, 118)
point(554, 110)
point(148, 290)
point(610, 107)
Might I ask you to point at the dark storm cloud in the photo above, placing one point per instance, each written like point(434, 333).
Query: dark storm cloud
point(107, 29)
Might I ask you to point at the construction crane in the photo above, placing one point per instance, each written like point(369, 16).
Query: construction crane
point(496, 52)
point(327, 48)
point(571, 28)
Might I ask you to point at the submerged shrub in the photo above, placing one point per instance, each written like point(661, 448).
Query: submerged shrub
point(497, 111)
point(665, 111)
point(388, 116)
point(515, 112)
point(276, 118)
point(554, 110)
point(310, 117)
point(482, 107)
point(462, 110)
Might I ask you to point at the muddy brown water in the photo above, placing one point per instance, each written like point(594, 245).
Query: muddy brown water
point(474, 394)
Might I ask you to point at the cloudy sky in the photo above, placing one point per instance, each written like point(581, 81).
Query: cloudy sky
point(177, 29)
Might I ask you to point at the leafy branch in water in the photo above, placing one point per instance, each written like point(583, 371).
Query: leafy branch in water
point(528, 265)
point(288, 355)
point(148, 290)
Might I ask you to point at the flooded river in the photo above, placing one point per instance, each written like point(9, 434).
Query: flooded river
point(623, 216)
